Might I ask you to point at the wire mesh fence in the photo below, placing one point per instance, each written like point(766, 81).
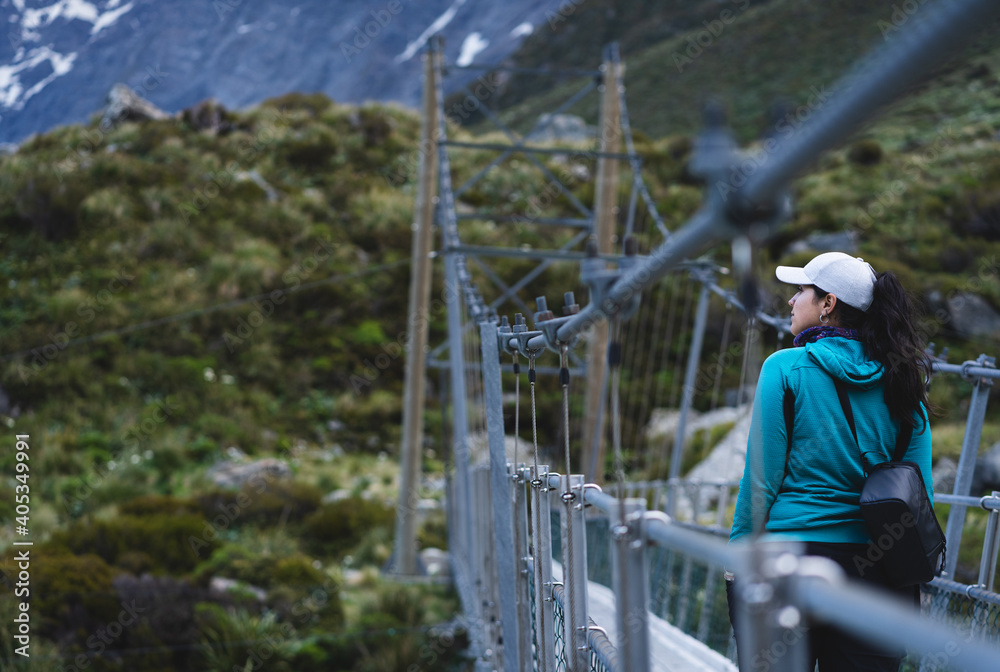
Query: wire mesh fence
point(977, 617)
point(603, 655)
point(535, 647)
point(558, 619)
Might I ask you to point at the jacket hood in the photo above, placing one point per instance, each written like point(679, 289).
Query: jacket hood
point(845, 360)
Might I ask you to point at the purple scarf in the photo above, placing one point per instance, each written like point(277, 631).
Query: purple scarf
point(815, 333)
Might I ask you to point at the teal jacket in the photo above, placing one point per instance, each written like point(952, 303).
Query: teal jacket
point(816, 499)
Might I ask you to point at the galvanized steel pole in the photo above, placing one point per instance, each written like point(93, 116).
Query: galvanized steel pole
point(687, 397)
point(630, 579)
point(966, 466)
point(500, 487)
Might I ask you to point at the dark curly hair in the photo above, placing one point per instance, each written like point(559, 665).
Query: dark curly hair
point(889, 335)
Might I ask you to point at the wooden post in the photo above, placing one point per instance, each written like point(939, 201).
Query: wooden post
point(605, 209)
point(405, 556)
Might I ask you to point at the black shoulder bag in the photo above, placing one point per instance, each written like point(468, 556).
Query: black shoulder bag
point(897, 511)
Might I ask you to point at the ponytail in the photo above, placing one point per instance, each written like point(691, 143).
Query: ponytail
point(889, 335)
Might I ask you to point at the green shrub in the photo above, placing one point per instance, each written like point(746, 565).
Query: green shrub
point(165, 505)
point(71, 593)
point(262, 502)
point(171, 540)
point(339, 526)
point(865, 153)
point(201, 449)
point(312, 103)
point(239, 640)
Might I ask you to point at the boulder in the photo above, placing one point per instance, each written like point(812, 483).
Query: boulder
point(663, 422)
point(987, 474)
point(208, 115)
point(943, 475)
point(972, 316)
point(231, 474)
point(219, 587)
point(124, 104)
point(563, 128)
point(435, 562)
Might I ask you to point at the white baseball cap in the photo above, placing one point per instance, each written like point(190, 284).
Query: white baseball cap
point(850, 279)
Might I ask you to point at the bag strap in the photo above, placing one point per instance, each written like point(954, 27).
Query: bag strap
point(902, 439)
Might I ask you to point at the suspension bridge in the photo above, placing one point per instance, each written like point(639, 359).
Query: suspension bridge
point(555, 570)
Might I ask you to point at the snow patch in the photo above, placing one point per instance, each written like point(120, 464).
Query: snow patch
point(67, 9)
point(12, 93)
point(523, 29)
point(109, 18)
point(32, 19)
point(439, 23)
point(472, 45)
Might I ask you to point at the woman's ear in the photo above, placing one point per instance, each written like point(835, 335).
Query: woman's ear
point(830, 302)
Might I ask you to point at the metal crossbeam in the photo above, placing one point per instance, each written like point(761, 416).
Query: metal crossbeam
point(559, 151)
point(523, 219)
point(519, 143)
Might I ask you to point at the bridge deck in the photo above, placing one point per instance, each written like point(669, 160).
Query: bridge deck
point(670, 649)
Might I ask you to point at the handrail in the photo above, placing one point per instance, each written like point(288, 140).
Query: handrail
point(966, 369)
point(601, 647)
point(975, 592)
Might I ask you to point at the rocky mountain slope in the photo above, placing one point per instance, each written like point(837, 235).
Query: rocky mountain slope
point(60, 58)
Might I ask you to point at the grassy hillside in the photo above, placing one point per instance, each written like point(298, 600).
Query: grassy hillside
point(173, 299)
point(749, 55)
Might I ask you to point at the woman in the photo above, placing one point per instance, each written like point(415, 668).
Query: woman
point(857, 326)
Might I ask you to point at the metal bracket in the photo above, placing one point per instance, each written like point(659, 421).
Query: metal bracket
point(600, 279)
point(593, 486)
point(982, 361)
point(549, 324)
point(514, 339)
